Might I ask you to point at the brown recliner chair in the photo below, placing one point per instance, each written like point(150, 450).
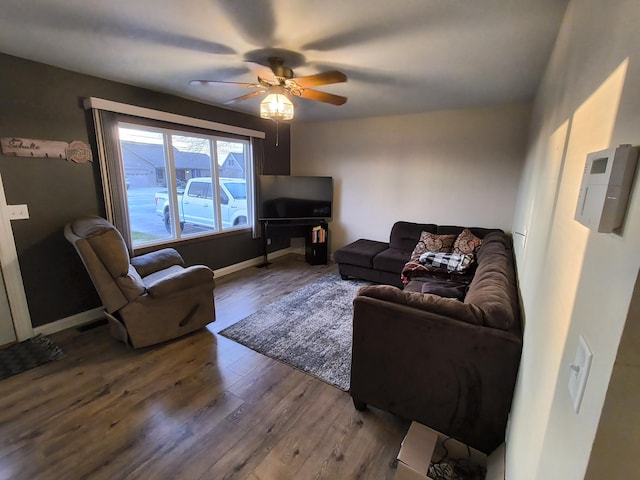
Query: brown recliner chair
point(148, 299)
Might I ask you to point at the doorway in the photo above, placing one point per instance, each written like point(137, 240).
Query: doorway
point(15, 321)
point(7, 332)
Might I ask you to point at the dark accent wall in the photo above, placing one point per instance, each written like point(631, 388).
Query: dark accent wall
point(43, 102)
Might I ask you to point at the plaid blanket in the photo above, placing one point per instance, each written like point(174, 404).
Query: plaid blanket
point(436, 262)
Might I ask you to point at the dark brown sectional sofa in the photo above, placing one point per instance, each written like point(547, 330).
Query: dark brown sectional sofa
point(449, 363)
point(382, 262)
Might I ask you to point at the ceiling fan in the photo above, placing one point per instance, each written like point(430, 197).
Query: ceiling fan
point(280, 84)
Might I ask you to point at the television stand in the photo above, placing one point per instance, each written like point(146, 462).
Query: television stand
point(314, 230)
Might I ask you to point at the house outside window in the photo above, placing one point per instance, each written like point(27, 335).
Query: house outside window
point(181, 185)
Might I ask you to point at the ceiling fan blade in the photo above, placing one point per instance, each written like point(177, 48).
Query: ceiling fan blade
point(245, 97)
point(319, 96)
point(319, 79)
point(229, 84)
point(263, 72)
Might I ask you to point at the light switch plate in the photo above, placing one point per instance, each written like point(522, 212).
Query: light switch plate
point(17, 212)
point(579, 372)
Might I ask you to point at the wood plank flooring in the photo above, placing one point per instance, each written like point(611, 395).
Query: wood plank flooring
point(202, 407)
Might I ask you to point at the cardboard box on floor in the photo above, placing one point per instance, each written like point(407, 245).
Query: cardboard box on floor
point(422, 445)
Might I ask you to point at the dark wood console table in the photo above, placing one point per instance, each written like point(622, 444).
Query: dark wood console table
point(315, 232)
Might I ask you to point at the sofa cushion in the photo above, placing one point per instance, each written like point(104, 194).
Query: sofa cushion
point(438, 287)
point(391, 260)
point(361, 252)
point(487, 292)
point(494, 241)
point(466, 243)
point(448, 307)
point(405, 235)
point(449, 230)
point(492, 289)
point(447, 290)
point(456, 230)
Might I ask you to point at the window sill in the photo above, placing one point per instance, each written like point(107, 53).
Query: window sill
point(191, 240)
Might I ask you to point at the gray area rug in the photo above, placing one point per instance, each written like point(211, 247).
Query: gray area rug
point(309, 329)
point(28, 354)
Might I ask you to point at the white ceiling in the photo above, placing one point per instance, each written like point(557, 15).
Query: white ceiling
point(401, 56)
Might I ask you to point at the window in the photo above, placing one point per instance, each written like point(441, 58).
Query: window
point(168, 177)
point(182, 185)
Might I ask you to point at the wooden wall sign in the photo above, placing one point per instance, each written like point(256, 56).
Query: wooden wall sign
point(75, 151)
point(28, 147)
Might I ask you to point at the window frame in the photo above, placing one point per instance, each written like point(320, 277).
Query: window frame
point(109, 115)
point(168, 134)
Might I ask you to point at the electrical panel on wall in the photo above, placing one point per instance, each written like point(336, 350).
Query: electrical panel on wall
point(606, 185)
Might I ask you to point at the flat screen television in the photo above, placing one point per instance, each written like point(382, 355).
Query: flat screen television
point(285, 197)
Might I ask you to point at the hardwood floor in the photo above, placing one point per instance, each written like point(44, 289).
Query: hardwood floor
point(201, 407)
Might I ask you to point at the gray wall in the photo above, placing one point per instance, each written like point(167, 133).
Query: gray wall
point(458, 167)
point(42, 102)
point(575, 281)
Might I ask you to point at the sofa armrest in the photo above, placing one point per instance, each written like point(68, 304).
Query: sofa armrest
point(456, 377)
point(155, 261)
point(191, 277)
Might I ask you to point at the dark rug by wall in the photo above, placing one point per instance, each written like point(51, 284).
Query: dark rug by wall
point(309, 329)
point(28, 354)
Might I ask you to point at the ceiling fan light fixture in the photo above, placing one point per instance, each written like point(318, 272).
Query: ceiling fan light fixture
point(276, 107)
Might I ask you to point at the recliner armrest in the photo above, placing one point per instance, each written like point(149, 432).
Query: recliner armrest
point(195, 276)
point(155, 261)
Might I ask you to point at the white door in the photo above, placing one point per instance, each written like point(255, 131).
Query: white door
point(15, 321)
point(7, 332)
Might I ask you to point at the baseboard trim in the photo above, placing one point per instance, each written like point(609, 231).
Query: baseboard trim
point(89, 316)
point(71, 322)
point(236, 267)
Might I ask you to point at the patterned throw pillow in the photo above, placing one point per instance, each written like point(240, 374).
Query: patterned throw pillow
point(430, 242)
point(466, 243)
